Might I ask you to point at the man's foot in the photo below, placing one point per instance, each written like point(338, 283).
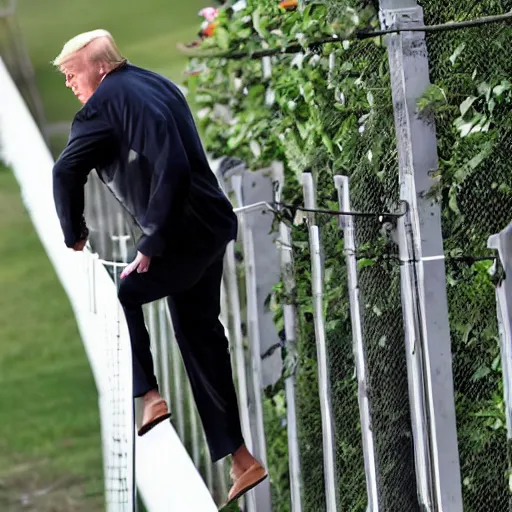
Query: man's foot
point(246, 473)
point(155, 411)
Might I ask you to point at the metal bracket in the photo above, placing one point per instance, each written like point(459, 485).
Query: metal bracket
point(262, 205)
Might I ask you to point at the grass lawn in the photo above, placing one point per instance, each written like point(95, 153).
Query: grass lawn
point(50, 452)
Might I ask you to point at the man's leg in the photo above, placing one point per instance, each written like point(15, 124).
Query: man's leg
point(205, 351)
point(134, 291)
point(164, 277)
point(144, 379)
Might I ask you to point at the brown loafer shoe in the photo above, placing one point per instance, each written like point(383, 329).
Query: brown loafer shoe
point(247, 481)
point(154, 413)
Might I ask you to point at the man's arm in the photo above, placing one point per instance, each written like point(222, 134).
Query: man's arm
point(92, 143)
point(170, 180)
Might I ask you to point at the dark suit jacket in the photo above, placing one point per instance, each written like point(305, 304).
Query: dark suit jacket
point(137, 131)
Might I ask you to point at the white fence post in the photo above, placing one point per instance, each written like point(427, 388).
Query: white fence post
point(328, 438)
point(262, 492)
point(424, 297)
point(290, 327)
point(347, 222)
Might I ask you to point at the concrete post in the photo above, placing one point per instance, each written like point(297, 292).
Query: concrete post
point(423, 279)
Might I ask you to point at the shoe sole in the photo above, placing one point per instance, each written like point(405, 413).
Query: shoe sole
point(244, 491)
point(153, 423)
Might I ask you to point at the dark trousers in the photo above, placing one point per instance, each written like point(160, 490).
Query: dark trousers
point(192, 285)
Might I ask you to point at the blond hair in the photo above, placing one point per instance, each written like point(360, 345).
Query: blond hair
point(103, 48)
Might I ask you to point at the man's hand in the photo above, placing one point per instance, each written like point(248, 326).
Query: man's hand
point(140, 264)
point(79, 246)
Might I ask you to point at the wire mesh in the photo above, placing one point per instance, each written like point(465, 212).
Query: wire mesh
point(118, 476)
point(359, 75)
point(379, 282)
point(110, 239)
point(118, 420)
point(470, 69)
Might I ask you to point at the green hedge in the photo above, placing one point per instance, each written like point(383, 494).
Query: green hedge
point(330, 112)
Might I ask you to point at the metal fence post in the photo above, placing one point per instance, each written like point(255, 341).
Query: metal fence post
point(257, 186)
point(502, 242)
point(347, 222)
point(152, 326)
point(328, 438)
point(195, 435)
point(233, 319)
point(290, 327)
point(237, 344)
point(262, 492)
point(423, 271)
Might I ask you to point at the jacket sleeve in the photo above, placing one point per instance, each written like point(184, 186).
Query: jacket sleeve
point(170, 182)
point(92, 143)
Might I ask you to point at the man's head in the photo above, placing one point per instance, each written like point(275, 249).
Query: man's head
point(86, 59)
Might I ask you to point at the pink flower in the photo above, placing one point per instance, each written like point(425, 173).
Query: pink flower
point(209, 13)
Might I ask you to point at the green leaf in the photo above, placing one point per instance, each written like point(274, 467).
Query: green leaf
point(328, 143)
point(332, 325)
point(481, 373)
point(257, 23)
point(433, 97)
point(500, 89)
point(222, 38)
point(480, 157)
point(497, 424)
point(467, 332)
point(467, 104)
point(453, 200)
point(484, 89)
point(456, 54)
point(256, 91)
point(364, 262)
point(244, 33)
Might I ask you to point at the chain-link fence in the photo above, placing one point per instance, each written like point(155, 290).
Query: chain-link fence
point(470, 70)
point(367, 421)
point(374, 188)
point(376, 461)
point(358, 74)
point(470, 98)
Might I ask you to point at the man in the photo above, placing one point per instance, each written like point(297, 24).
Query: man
point(136, 130)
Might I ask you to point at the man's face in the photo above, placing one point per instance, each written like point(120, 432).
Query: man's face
point(82, 76)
